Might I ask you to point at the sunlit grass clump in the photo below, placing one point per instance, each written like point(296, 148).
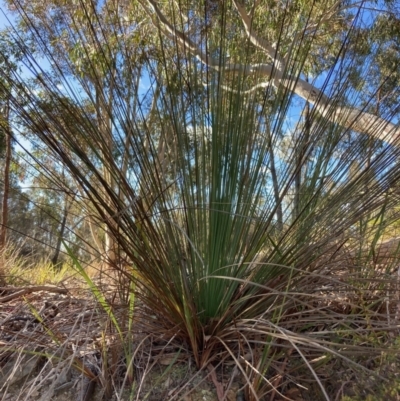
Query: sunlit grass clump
point(40, 274)
point(20, 271)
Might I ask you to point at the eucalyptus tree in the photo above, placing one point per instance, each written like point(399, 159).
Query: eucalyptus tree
point(195, 182)
point(305, 26)
point(8, 62)
point(41, 208)
point(380, 90)
point(6, 134)
point(96, 46)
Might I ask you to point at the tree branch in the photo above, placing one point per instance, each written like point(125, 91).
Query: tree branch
point(348, 117)
point(169, 30)
point(245, 92)
point(256, 40)
point(27, 290)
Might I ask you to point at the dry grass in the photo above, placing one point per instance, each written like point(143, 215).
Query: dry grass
point(53, 334)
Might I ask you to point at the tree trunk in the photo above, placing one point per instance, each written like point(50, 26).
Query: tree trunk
point(6, 175)
point(54, 259)
point(103, 112)
point(301, 158)
point(275, 183)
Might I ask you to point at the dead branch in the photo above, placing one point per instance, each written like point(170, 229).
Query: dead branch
point(27, 290)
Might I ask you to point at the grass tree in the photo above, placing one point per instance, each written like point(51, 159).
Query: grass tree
point(224, 178)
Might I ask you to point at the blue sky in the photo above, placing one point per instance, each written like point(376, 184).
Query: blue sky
point(3, 19)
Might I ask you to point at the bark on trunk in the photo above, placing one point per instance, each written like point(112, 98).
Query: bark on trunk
point(301, 159)
point(54, 259)
point(103, 111)
point(275, 184)
point(6, 189)
point(6, 175)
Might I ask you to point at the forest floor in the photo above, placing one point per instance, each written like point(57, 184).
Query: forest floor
point(50, 344)
point(54, 341)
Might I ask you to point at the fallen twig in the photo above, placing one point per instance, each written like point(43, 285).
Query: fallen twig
point(27, 290)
